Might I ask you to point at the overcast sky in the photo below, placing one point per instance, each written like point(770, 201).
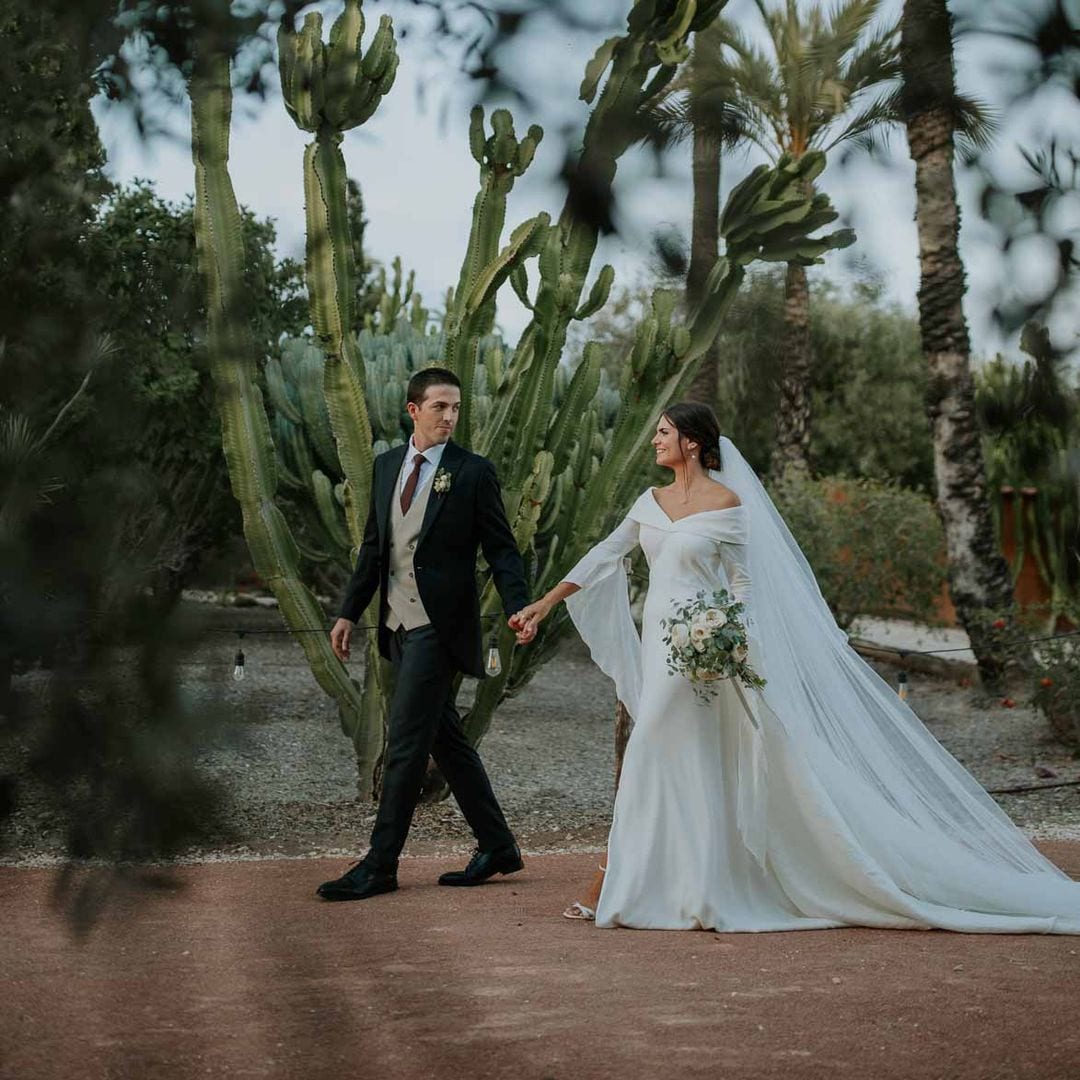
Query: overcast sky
point(419, 179)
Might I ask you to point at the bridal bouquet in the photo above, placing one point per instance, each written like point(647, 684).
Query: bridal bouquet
point(707, 642)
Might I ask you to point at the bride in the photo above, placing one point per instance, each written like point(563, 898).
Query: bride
point(818, 801)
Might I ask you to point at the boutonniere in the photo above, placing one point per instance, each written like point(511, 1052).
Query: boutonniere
point(441, 484)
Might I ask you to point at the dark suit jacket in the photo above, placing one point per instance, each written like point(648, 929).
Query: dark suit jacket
point(468, 515)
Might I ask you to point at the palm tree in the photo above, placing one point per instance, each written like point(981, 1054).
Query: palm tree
point(701, 107)
point(791, 98)
point(978, 575)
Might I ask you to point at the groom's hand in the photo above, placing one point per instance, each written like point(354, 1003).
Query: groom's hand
point(526, 621)
point(339, 638)
point(524, 631)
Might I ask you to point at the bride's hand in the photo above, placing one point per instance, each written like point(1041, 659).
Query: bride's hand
point(526, 621)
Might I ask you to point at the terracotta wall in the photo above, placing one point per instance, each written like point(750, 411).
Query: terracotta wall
point(1030, 588)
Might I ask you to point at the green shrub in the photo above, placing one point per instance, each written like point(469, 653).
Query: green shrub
point(1054, 677)
point(875, 547)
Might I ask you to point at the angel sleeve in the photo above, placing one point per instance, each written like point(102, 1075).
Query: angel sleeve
point(600, 560)
point(600, 611)
point(735, 560)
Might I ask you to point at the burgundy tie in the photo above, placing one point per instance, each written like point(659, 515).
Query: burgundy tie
point(410, 484)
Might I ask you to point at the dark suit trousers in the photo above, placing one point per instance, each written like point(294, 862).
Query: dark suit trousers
point(423, 721)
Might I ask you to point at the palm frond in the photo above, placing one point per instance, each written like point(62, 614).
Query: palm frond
point(17, 440)
point(759, 83)
point(775, 24)
point(977, 125)
point(710, 45)
point(876, 62)
point(843, 28)
point(665, 124)
point(867, 129)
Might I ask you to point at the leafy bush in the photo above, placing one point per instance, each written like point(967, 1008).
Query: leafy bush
point(875, 547)
point(169, 435)
point(1054, 677)
point(868, 414)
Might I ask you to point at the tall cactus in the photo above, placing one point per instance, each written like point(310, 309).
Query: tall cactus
point(249, 450)
point(329, 89)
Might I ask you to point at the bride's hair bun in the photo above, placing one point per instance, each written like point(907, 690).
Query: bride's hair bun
point(710, 458)
point(698, 423)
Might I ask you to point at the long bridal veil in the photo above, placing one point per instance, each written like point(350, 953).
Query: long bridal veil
point(837, 711)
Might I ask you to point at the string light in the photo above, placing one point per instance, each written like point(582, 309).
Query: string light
point(493, 663)
point(238, 663)
point(494, 660)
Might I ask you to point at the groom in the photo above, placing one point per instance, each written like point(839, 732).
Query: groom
point(432, 504)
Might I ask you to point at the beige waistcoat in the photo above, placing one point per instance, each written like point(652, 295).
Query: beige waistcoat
point(406, 607)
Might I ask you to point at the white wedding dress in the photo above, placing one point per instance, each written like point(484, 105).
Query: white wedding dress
point(760, 810)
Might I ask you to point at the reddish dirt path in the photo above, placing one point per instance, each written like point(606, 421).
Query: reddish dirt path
point(242, 972)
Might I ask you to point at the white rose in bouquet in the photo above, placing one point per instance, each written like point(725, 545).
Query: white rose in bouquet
point(680, 635)
point(699, 634)
point(715, 618)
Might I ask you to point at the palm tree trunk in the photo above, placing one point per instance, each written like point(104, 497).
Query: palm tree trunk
point(793, 408)
point(704, 251)
point(978, 576)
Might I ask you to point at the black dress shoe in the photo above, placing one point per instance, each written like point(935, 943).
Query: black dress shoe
point(485, 864)
point(358, 883)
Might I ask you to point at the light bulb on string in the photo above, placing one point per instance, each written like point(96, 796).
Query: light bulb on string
point(494, 660)
point(238, 663)
point(902, 685)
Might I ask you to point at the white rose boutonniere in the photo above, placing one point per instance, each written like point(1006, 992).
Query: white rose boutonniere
point(441, 484)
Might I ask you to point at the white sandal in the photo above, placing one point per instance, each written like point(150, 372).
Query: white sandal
point(578, 910)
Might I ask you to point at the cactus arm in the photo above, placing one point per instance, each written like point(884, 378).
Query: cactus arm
point(328, 508)
point(574, 405)
point(519, 282)
point(502, 158)
point(595, 68)
point(331, 286)
point(598, 295)
point(343, 70)
point(279, 394)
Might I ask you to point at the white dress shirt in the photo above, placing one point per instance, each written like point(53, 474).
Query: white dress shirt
point(432, 457)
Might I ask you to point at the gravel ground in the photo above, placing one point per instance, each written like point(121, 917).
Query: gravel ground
point(291, 776)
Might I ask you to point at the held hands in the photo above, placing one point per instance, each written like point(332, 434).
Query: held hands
point(526, 621)
point(340, 634)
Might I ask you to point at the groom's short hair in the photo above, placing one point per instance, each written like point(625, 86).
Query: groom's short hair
point(432, 376)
